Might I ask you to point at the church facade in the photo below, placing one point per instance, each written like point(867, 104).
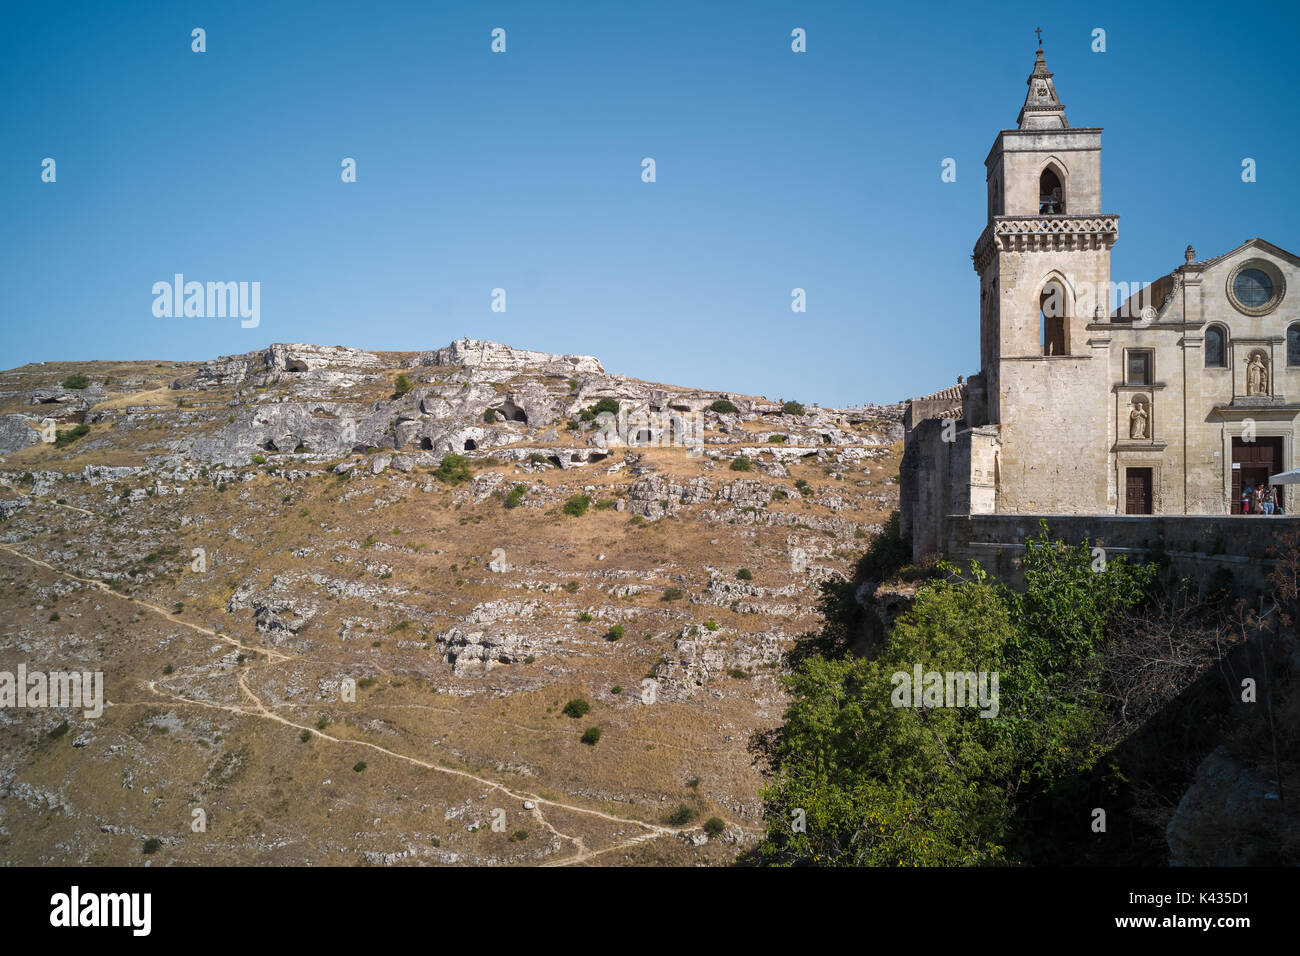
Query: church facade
point(1175, 402)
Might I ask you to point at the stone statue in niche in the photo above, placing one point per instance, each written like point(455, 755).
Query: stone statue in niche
point(1256, 376)
point(1137, 420)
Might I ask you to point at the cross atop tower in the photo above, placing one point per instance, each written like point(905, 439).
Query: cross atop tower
point(1039, 31)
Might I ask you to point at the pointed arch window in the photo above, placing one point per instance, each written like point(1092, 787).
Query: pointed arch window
point(1051, 193)
point(1216, 347)
point(1052, 314)
point(1293, 344)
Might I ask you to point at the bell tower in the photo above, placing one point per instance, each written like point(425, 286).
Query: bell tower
point(1044, 265)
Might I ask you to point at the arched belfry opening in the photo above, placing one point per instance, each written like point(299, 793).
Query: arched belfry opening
point(1051, 193)
point(1053, 315)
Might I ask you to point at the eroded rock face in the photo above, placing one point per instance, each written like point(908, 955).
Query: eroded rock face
point(332, 365)
point(1230, 816)
point(497, 632)
point(475, 353)
point(17, 431)
point(318, 428)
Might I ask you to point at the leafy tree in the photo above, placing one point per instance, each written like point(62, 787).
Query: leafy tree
point(741, 463)
point(76, 381)
point(723, 406)
point(876, 781)
point(401, 385)
point(792, 408)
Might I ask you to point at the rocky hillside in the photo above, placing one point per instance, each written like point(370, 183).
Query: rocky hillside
point(475, 605)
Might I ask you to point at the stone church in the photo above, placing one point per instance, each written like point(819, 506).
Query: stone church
point(1172, 403)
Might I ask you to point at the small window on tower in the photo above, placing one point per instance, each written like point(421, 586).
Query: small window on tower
point(1051, 318)
point(1051, 195)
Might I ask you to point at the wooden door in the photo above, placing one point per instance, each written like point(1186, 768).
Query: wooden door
point(1137, 496)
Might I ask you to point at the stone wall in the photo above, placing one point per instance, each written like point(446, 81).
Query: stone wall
point(1196, 545)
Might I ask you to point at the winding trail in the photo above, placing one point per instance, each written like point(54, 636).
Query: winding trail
point(258, 708)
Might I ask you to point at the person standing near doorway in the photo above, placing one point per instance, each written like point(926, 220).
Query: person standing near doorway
point(1257, 500)
point(1269, 500)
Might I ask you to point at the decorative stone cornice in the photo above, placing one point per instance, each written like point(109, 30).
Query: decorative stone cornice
point(1044, 234)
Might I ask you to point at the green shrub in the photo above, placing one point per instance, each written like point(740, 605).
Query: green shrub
point(616, 689)
point(359, 766)
point(59, 731)
point(792, 408)
point(680, 816)
point(151, 845)
point(604, 504)
point(776, 437)
point(536, 458)
point(584, 617)
point(577, 505)
point(76, 381)
point(741, 463)
point(744, 574)
point(672, 594)
point(714, 826)
point(615, 633)
point(489, 416)
point(590, 736)
point(609, 405)
point(305, 736)
point(453, 469)
point(401, 385)
point(576, 708)
point(259, 459)
point(515, 496)
point(723, 406)
point(65, 437)
point(710, 625)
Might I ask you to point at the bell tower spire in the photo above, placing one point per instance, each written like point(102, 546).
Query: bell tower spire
point(1043, 108)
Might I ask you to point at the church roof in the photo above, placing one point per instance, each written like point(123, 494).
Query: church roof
point(951, 393)
point(1043, 108)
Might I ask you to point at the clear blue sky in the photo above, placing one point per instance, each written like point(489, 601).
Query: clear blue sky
point(523, 171)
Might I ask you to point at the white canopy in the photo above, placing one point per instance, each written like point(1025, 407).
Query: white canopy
point(1291, 477)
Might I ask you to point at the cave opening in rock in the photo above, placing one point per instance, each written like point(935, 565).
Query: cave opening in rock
point(299, 448)
point(426, 444)
point(596, 456)
point(643, 437)
point(269, 445)
point(555, 460)
point(295, 365)
point(513, 413)
point(470, 444)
